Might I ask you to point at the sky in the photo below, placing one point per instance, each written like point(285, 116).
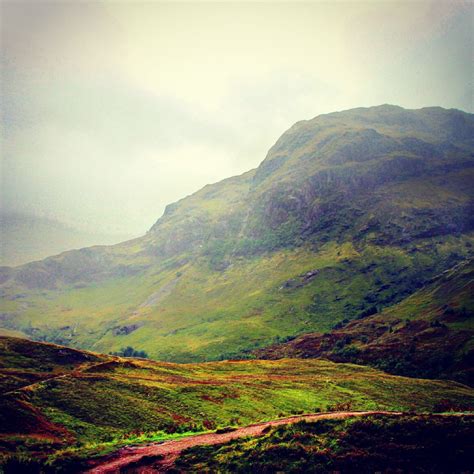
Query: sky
point(111, 110)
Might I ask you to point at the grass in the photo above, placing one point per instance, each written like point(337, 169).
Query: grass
point(98, 406)
point(209, 314)
point(91, 450)
point(427, 334)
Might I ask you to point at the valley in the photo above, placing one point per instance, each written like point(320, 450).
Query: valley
point(430, 333)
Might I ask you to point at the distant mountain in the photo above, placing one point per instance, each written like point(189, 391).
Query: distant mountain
point(26, 238)
point(430, 333)
point(349, 211)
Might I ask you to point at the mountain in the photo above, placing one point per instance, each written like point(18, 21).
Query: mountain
point(428, 334)
point(63, 405)
point(349, 211)
point(26, 238)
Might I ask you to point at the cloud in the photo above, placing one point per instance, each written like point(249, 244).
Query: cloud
point(112, 110)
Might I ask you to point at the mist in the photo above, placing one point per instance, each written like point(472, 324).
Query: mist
point(113, 110)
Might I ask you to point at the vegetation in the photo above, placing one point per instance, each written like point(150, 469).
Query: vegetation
point(130, 352)
point(428, 334)
point(378, 443)
point(73, 405)
point(372, 203)
point(351, 241)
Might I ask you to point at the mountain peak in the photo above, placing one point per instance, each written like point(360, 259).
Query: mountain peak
point(348, 211)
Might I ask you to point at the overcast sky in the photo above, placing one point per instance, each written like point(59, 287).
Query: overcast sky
point(112, 110)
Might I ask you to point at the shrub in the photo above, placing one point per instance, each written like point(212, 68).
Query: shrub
point(226, 429)
point(368, 312)
point(129, 351)
point(17, 464)
point(341, 324)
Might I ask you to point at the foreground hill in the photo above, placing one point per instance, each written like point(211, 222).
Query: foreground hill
point(63, 404)
point(379, 443)
point(348, 211)
point(428, 334)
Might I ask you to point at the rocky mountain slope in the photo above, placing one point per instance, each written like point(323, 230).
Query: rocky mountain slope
point(349, 211)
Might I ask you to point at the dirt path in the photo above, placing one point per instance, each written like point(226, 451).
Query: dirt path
point(170, 450)
point(34, 384)
point(73, 373)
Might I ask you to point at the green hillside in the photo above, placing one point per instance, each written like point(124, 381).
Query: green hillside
point(430, 333)
point(60, 404)
point(348, 211)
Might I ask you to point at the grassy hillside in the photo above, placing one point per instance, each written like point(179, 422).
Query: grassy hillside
point(66, 404)
point(430, 333)
point(192, 312)
point(348, 211)
point(378, 443)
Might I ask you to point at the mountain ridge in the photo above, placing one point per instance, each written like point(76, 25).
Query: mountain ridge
point(372, 202)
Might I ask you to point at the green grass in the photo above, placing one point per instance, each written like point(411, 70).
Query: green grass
point(209, 314)
point(102, 404)
point(427, 334)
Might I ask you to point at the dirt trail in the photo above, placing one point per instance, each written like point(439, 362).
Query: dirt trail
point(170, 450)
point(73, 373)
point(34, 384)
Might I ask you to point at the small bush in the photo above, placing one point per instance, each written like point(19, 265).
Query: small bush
point(129, 351)
point(226, 429)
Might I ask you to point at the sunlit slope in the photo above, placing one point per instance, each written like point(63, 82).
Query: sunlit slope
point(193, 311)
point(430, 333)
point(348, 211)
point(74, 400)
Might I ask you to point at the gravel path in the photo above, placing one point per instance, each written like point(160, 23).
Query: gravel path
point(170, 450)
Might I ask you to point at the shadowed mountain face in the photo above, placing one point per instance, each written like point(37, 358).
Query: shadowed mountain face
point(348, 211)
point(378, 174)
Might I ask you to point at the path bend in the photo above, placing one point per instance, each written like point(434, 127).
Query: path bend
point(170, 450)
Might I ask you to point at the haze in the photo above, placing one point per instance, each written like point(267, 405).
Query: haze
point(113, 110)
